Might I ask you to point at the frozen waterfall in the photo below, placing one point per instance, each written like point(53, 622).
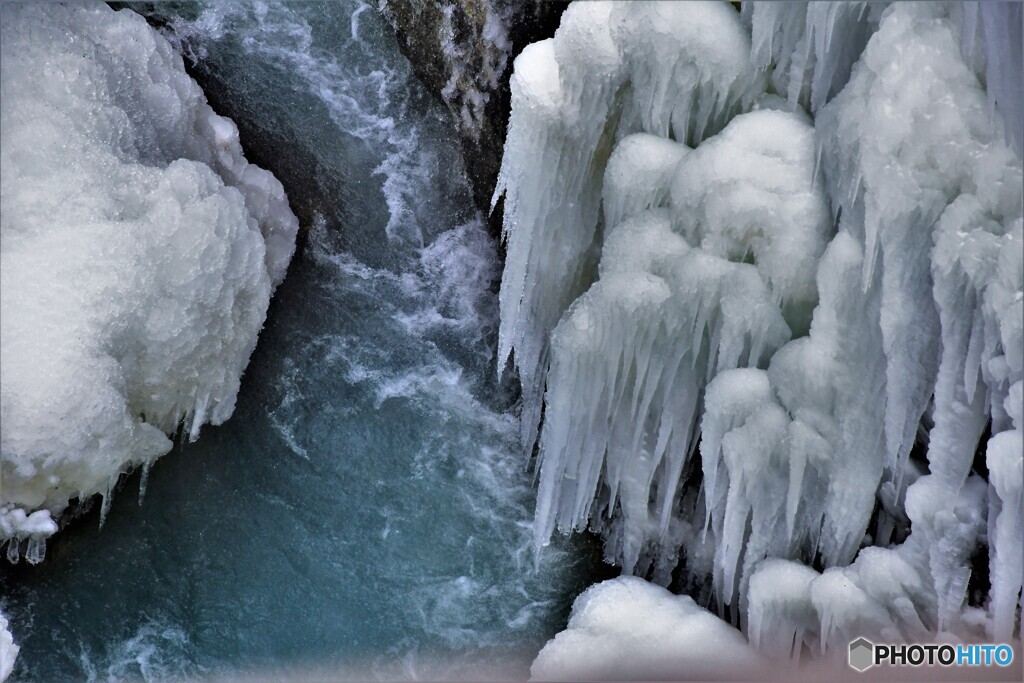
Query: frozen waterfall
point(764, 285)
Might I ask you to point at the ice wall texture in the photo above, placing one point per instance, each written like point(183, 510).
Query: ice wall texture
point(768, 289)
point(139, 253)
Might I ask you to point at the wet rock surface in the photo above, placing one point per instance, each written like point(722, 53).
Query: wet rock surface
point(462, 50)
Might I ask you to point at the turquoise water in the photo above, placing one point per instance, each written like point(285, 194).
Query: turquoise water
point(365, 511)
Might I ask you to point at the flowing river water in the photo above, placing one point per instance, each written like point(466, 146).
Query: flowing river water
point(366, 510)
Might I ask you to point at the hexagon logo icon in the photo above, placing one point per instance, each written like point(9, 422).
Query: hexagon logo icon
point(862, 654)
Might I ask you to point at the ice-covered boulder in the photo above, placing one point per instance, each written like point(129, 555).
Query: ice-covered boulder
point(629, 629)
point(8, 650)
point(139, 253)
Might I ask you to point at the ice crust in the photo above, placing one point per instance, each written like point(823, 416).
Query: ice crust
point(139, 253)
point(629, 629)
point(779, 341)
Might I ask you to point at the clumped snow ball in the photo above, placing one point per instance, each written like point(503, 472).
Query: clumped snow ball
point(139, 253)
point(629, 629)
point(638, 175)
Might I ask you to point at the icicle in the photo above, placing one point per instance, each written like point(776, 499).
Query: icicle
point(610, 71)
point(35, 551)
point(874, 135)
point(16, 526)
point(811, 45)
point(991, 35)
point(14, 550)
point(638, 310)
point(144, 479)
point(803, 469)
point(107, 498)
point(1004, 455)
point(781, 617)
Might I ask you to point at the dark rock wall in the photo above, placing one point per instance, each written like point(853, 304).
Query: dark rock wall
point(463, 50)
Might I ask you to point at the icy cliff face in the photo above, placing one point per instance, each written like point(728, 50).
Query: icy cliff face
point(140, 250)
point(776, 338)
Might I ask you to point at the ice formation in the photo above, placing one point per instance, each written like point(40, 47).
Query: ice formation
point(8, 650)
point(991, 40)
point(809, 47)
point(610, 71)
point(675, 304)
point(778, 340)
point(795, 449)
point(140, 250)
point(627, 629)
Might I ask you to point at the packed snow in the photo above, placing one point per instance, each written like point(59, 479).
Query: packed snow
point(140, 251)
point(627, 628)
point(784, 332)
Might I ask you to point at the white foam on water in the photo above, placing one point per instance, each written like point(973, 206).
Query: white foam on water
point(365, 96)
point(156, 651)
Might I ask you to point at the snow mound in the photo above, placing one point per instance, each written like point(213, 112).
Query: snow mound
point(140, 250)
point(629, 629)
